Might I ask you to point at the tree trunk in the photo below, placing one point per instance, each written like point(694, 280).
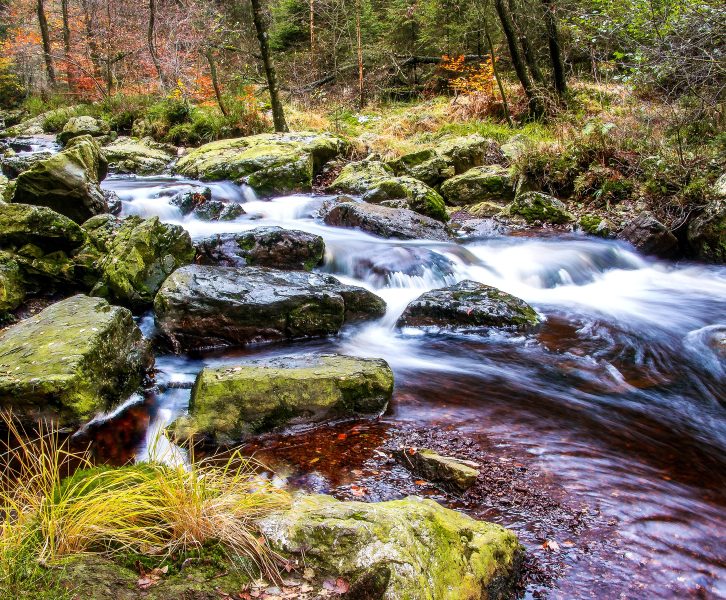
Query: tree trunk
point(91, 39)
point(553, 41)
point(496, 75)
point(45, 35)
point(312, 29)
point(70, 75)
point(150, 40)
point(528, 52)
point(215, 81)
point(278, 114)
point(361, 96)
point(505, 17)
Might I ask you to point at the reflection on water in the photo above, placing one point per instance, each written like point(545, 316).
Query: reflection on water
point(618, 399)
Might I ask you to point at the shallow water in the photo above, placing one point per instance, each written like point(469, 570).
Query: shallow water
point(617, 402)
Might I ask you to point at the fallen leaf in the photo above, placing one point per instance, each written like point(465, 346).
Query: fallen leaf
point(551, 545)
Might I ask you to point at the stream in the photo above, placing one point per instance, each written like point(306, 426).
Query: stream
point(604, 430)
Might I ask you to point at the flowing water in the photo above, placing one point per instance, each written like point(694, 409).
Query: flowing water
point(615, 406)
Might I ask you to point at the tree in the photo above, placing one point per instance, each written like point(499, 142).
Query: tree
point(45, 35)
point(150, 40)
point(553, 42)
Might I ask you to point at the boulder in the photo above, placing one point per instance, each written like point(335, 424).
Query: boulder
point(490, 182)
point(41, 123)
point(400, 549)
point(486, 210)
point(12, 287)
point(190, 199)
point(272, 247)
point(22, 224)
point(140, 156)
point(425, 165)
point(537, 206)
point(84, 125)
point(386, 222)
point(3, 187)
point(595, 225)
point(385, 263)
point(134, 257)
point(271, 163)
point(216, 210)
point(14, 164)
point(201, 306)
point(228, 403)
point(67, 182)
point(73, 359)
point(375, 182)
point(707, 232)
point(451, 473)
point(468, 304)
point(464, 153)
point(650, 236)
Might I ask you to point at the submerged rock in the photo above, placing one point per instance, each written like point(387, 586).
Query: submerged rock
point(133, 256)
point(75, 358)
point(84, 125)
point(376, 183)
point(271, 163)
point(707, 232)
point(272, 247)
point(479, 184)
point(386, 222)
point(201, 306)
point(233, 401)
point(400, 549)
point(140, 156)
point(537, 206)
point(381, 266)
point(67, 182)
point(650, 236)
point(451, 473)
point(468, 304)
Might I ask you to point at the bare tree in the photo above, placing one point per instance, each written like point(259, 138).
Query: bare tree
point(45, 36)
point(150, 34)
point(553, 41)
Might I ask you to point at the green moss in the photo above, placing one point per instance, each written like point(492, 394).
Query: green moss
point(536, 206)
point(479, 184)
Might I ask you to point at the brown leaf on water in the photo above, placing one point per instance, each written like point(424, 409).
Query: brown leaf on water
point(551, 545)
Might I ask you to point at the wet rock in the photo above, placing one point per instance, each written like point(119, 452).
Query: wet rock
point(451, 473)
point(233, 401)
point(486, 210)
point(201, 306)
point(75, 358)
point(272, 247)
point(376, 183)
point(11, 116)
point(133, 257)
point(487, 183)
point(3, 187)
point(468, 304)
point(539, 207)
point(650, 236)
point(141, 156)
point(707, 232)
point(12, 288)
point(113, 201)
point(271, 163)
point(425, 165)
point(386, 222)
point(190, 199)
point(67, 182)
point(84, 125)
point(216, 210)
point(381, 266)
point(595, 225)
point(410, 548)
point(14, 164)
point(22, 224)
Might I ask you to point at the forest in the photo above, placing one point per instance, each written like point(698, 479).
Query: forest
point(362, 299)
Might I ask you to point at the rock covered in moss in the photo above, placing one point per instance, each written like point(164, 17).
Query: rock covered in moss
point(83, 125)
point(233, 401)
point(12, 287)
point(14, 164)
point(386, 222)
point(133, 256)
point(140, 156)
point(201, 306)
point(650, 236)
point(272, 247)
point(468, 304)
point(22, 224)
point(451, 473)
point(479, 184)
point(51, 120)
point(466, 152)
point(537, 206)
point(707, 232)
point(400, 549)
point(67, 182)
point(75, 358)
point(595, 225)
point(376, 183)
point(271, 163)
point(425, 165)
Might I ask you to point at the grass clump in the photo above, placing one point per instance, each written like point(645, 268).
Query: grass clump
point(55, 503)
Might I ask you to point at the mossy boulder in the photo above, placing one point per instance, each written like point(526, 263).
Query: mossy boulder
point(228, 403)
point(202, 306)
point(272, 247)
point(271, 163)
point(75, 358)
point(425, 165)
point(134, 257)
point(539, 207)
point(386, 222)
point(399, 550)
point(140, 156)
point(649, 236)
point(84, 125)
point(14, 164)
point(707, 232)
point(468, 304)
point(595, 225)
point(451, 473)
point(22, 224)
point(479, 184)
point(49, 121)
point(466, 152)
point(12, 287)
point(375, 182)
point(67, 182)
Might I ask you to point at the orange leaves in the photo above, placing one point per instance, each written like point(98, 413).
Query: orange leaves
point(472, 79)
